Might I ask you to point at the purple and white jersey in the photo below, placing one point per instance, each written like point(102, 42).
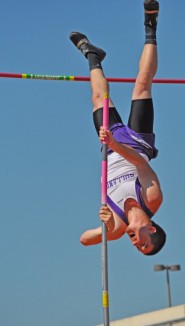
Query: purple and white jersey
point(123, 180)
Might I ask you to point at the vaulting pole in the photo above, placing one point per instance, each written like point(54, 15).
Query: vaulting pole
point(84, 79)
point(105, 295)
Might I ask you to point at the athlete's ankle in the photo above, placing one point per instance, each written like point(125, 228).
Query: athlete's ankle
point(151, 8)
point(94, 61)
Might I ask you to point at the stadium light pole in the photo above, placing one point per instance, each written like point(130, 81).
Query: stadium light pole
point(173, 268)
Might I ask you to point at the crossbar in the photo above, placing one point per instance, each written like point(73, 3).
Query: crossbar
point(86, 79)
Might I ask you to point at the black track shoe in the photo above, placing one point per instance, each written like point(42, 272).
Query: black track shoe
point(82, 43)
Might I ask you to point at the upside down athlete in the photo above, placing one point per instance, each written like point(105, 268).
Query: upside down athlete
point(134, 192)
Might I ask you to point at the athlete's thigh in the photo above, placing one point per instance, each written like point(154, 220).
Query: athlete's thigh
point(114, 118)
point(141, 117)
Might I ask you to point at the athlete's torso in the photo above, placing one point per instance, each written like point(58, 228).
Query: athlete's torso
point(122, 183)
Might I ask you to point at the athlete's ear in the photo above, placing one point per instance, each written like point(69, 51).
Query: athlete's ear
point(151, 228)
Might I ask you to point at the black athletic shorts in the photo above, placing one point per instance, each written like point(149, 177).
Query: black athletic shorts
point(140, 120)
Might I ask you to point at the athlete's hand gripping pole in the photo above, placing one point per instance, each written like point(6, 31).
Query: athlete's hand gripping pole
point(105, 296)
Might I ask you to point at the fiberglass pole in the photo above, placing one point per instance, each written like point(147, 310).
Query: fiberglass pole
point(105, 295)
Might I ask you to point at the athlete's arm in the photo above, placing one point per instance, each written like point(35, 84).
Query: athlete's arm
point(151, 191)
point(127, 152)
point(115, 228)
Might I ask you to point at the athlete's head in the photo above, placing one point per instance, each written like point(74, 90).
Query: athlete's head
point(147, 236)
point(149, 239)
point(158, 239)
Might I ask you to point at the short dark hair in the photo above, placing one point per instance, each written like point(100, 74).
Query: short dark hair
point(158, 239)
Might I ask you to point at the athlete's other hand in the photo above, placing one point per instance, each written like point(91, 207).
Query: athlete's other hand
point(106, 216)
point(105, 136)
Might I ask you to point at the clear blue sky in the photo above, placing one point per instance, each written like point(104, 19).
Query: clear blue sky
point(51, 163)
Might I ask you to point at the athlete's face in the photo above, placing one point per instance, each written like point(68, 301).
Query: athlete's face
point(140, 237)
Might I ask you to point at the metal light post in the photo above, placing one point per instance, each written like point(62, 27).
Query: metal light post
point(173, 268)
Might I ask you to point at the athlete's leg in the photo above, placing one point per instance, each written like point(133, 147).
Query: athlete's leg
point(99, 84)
point(141, 116)
point(148, 61)
point(147, 70)
point(94, 55)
